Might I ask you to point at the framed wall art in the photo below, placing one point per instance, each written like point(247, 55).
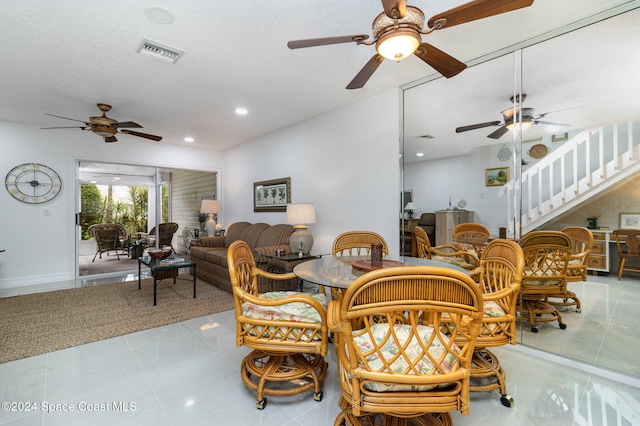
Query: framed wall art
point(629, 220)
point(560, 138)
point(272, 195)
point(496, 177)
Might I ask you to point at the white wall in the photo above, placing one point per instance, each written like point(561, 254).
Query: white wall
point(346, 162)
point(40, 248)
point(462, 177)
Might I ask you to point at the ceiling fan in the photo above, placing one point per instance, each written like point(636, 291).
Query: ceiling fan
point(106, 127)
point(529, 118)
point(397, 34)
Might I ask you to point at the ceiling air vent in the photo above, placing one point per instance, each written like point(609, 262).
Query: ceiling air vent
point(159, 51)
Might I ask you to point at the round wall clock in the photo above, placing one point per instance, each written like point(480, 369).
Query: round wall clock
point(33, 183)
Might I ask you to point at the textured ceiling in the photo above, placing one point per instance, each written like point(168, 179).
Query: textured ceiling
point(63, 57)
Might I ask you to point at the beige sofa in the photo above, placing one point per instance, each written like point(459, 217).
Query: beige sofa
point(210, 253)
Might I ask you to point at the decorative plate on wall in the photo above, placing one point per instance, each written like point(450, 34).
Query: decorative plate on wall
point(33, 183)
point(538, 151)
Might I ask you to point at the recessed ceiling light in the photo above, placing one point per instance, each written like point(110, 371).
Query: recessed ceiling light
point(159, 15)
point(420, 154)
point(242, 111)
point(189, 139)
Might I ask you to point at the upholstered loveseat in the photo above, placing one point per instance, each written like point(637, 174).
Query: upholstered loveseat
point(210, 253)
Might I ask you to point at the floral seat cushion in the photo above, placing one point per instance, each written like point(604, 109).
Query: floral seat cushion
point(529, 275)
point(575, 267)
point(390, 349)
point(454, 261)
point(294, 312)
point(491, 310)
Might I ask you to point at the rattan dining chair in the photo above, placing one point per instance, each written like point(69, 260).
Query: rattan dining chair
point(581, 243)
point(546, 257)
point(471, 237)
point(405, 338)
point(357, 244)
point(627, 242)
point(286, 330)
point(444, 253)
point(501, 267)
point(353, 245)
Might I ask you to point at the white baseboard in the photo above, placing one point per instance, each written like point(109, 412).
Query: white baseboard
point(29, 281)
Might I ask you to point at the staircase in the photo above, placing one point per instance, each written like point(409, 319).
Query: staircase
point(589, 163)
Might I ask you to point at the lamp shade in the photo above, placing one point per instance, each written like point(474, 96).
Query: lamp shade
point(301, 240)
point(299, 214)
point(210, 206)
point(410, 206)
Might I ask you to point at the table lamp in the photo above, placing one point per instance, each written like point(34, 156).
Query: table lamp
point(301, 240)
point(410, 207)
point(210, 207)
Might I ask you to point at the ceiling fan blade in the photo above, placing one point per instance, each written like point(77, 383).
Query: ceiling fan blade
point(498, 133)
point(395, 9)
point(544, 114)
point(66, 118)
point(477, 126)
point(142, 135)
point(110, 139)
point(366, 72)
point(312, 42)
point(445, 64)
point(548, 123)
point(128, 124)
point(66, 127)
point(477, 9)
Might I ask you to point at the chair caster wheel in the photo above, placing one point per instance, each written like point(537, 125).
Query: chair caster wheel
point(534, 329)
point(563, 326)
point(506, 400)
point(318, 396)
point(261, 404)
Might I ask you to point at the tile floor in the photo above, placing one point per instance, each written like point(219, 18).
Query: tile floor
point(188, 374)
point(608, 318)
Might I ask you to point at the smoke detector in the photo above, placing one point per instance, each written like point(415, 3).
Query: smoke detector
point(159, 51)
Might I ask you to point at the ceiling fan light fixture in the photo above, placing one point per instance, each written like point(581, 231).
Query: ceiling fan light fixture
point(398, 44)
point(104, 131)
point(526, 123)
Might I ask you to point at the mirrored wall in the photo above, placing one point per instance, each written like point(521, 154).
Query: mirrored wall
point(579, 100)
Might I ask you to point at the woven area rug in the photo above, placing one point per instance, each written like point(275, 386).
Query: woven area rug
point(38, 323)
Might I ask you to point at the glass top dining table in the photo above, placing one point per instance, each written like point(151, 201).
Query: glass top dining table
point(330, 271)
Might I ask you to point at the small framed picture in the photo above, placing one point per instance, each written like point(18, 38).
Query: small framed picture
point(496, 177)
point(560, 138)
point(272, 195)
point(629, 220)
